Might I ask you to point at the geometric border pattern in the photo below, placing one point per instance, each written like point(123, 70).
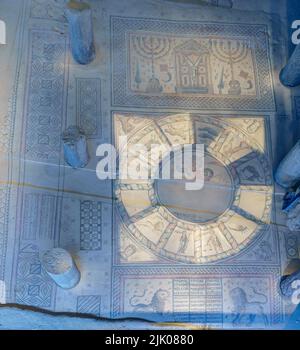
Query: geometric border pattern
point(4, 217)
point(88, 108)
point(33, 286)
point(90, 225)
point(45, 96)
point(89, 304)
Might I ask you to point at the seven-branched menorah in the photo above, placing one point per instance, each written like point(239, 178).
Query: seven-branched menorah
point(232, 52)
point(151, 47)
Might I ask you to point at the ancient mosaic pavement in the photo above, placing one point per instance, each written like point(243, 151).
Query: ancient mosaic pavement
point(146, 248)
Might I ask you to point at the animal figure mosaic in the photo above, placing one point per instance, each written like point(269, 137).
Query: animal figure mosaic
point(247, 312)
point(157, 303)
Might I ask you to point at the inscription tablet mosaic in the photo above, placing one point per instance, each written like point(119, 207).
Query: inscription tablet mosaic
point(228, 297)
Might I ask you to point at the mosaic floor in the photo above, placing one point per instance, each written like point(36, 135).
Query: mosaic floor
point(147, 249)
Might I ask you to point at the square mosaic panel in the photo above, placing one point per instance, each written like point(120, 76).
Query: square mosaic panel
point(90, 225)
point(89, 304)
point(88, 107)
point(222, 220)
point(194, 65)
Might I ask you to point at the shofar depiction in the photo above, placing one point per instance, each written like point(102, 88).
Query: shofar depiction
point(75, 147)
point(80, 20)
point(288, 172)
point(290, 74)
point(60, 266)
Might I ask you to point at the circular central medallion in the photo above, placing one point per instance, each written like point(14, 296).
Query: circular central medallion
point(198, 206)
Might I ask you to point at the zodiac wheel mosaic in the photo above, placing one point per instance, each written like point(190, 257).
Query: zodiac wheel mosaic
point(200, 226)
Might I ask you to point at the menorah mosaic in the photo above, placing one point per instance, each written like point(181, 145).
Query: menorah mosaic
point(194, 65)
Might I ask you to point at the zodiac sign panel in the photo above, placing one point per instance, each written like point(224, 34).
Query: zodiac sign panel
point(195, 65)
point(218, 221)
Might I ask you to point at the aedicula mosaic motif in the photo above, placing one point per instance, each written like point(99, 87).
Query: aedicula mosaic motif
point(192, 65)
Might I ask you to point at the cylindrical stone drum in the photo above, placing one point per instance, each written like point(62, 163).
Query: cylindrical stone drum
point(288, 172)
point(79, 16)
point(60, 266)
point(290, 74)
point(75, 147)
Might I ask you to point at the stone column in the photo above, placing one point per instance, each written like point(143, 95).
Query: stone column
point(286, 284)
point(60, 266)
point(288, 172)
point(293, 219)
point(293, 322)
point(290, 275)
point(2, 33)
point(290, 74)
point(75, 147)
point(79, 15)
